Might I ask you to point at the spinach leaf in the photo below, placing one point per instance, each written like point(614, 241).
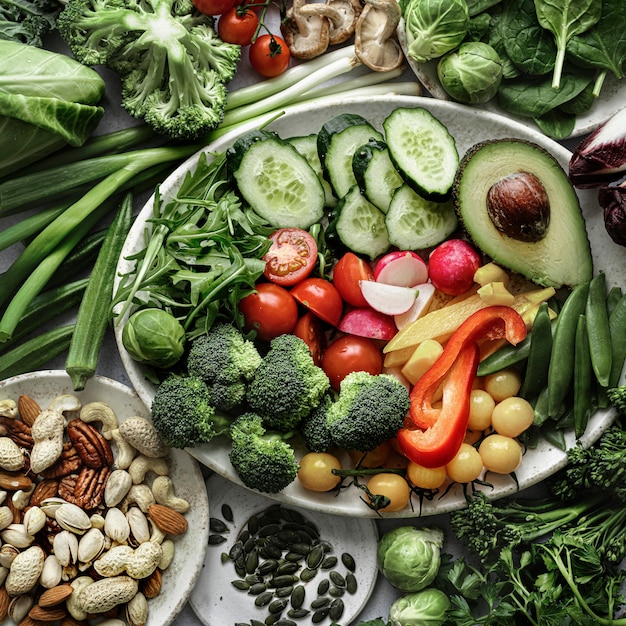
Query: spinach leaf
point(604, 46)
point(536, 98)
point(564, 19)
point(475, 7)
point(497, 37)
point(527, 44)
point(556, 124)
point(72, 121)
point(581, 103)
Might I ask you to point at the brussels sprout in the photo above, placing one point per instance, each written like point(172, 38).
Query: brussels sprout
point(424, 608)
point(434, 27)
point(409, 557)
point(154, 337)
point(472, 73)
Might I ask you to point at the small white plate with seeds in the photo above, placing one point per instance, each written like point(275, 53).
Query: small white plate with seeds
point(327, 562)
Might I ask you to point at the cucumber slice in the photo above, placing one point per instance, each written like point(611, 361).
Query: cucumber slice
point(375, 173)
point(423, 150)
point(306, 145)
point(276, 180)
point(415, 223)
point(336, 143)
point(359, 225)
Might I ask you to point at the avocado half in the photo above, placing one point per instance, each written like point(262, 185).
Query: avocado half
point(557, 253)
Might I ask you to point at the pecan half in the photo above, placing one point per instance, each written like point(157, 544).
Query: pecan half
point(68, 462)
point(18, 431)
point(66, 487)
point(92, 447)
point(46, 488)
point(90, 485)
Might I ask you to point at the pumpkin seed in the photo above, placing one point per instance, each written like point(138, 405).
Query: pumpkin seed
point(256, 622)
point(253, 525)
point(283, 581)
point(315, 556)
point(249, 545)
point(294, 557)
point(217, 525)
point(252, 562)
point(224, 558)
point(307, 574)
point(263, 599)
point(215, 540)
point(287, 568)
point(272, 552)
point(268, 529)
point(298, 613)
point(285, 622)
point(278, 606)
point(300, 547)
point(272, 618)
point(329, 562)
point(244, 535)
point(351, 583)
point(348, 560)
point(268, 566)
point(320, 602)
point(236, 550)
point(284, 592)
point(336, 592)
point(297, 596)
point(336, 609)
point(227, 513)
point(257, 588)
point(337, 579)
point(240, 584)
point(323, 587)
point(320, 615)
point(254, 578)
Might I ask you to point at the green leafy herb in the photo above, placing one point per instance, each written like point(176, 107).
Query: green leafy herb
point(27, 21)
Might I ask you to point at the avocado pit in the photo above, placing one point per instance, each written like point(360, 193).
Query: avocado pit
point(519, 207)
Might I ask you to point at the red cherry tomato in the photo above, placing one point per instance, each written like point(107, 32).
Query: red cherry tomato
point(291, 258)
point(271, 311)
point(309, 329)
point(351, 353)
point(269, 55)
point(321, 297)
point(213, 7)
point(347, 273)
point(238, 25)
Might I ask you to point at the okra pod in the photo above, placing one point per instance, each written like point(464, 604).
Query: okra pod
point(94, 312)
point(597, 322)
point(583, 373)
point(561, 370)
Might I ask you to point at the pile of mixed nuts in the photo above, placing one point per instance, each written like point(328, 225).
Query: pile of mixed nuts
point(88, 513)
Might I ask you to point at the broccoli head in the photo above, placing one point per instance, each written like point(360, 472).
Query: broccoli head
point(172, 65)
point(226, 361)
point(314, 427)
point(287, 385)
point(27, 21)
point(183, 414)
point(263, 461)
point(369, 410)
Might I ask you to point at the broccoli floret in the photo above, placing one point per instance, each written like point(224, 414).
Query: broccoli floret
point(314, 427)
point(27, 21)
point(183, 414)
point(369, 410)
point(262, 460)
point(287, 385)
point(226, 361)
point(172, 65)
point(617, 398)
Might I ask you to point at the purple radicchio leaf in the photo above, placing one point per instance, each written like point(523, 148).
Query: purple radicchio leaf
point(612, 199)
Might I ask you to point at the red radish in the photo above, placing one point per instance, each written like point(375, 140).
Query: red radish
point(425, 293)
point(368, 323)
point(452, 265)
point(388, 299)
point(402, 267)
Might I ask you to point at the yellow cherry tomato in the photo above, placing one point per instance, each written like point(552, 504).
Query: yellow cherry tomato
point(425, 477)
point(315, 473)
point(466, 466)
point(503, 384)
point(500, 454)
point(481, 407)
point(512, 416)
point(393, 486)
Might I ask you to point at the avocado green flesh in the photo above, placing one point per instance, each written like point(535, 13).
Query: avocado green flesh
point(563, 256)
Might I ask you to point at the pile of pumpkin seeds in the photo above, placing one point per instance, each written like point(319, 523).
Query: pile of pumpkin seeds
point(277, 553)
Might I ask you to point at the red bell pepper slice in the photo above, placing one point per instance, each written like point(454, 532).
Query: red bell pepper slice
point(432, 436)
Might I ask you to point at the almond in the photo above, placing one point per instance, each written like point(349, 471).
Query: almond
point(151, 586)
point(167, 520)
point(47, 614)
point(55, 595)
point(29, 621)
point(4, 603)
point(14, 481)
point(68, 620)
point(28, 409)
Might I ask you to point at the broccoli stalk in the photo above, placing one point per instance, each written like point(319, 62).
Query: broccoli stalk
point(173, 67)
point(263, 461)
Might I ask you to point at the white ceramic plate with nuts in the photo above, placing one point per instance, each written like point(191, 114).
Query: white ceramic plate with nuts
point(328, 562)
point(179, 577)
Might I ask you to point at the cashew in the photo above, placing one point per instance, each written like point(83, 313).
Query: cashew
point(163, 490)
point(137, 610)
point(117, 487)
point(25, 570)
point(11, 456)
point(8, 408)
point(102, 595)
point(157, 535)
point(142, 464)
point(65, 403)
point(141, 495)
point(103, 413)
point(21, 497)
point(143, 436)
point(74, 608)
point(47, 432)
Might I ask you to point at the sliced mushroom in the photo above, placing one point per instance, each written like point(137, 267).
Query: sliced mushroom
point(375, 35)
point(306, 30)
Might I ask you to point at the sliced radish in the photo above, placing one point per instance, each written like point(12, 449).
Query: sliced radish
point(366, 322)
point(403, 268)
point(388, 299)
point(425, 293)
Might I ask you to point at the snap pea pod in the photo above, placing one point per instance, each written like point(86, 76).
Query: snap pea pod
point(598, 329)
point(561, 370)
point(541, 407)
point(617, 324)
point(506, 356)
point(538, 362)
point(583, 375)
point(612, 298)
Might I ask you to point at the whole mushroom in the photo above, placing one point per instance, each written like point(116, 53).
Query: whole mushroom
point(375, 35)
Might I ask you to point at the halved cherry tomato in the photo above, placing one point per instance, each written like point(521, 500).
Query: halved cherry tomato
point(351, 353)
point(321, 297)
point(271, 311)
point(309, 329)
point(238, 25)
point(269, 55)
point(292, 256)
point(348, 271)
point(213, 7)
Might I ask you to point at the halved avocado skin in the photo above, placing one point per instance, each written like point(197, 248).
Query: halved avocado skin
point(563, 256)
